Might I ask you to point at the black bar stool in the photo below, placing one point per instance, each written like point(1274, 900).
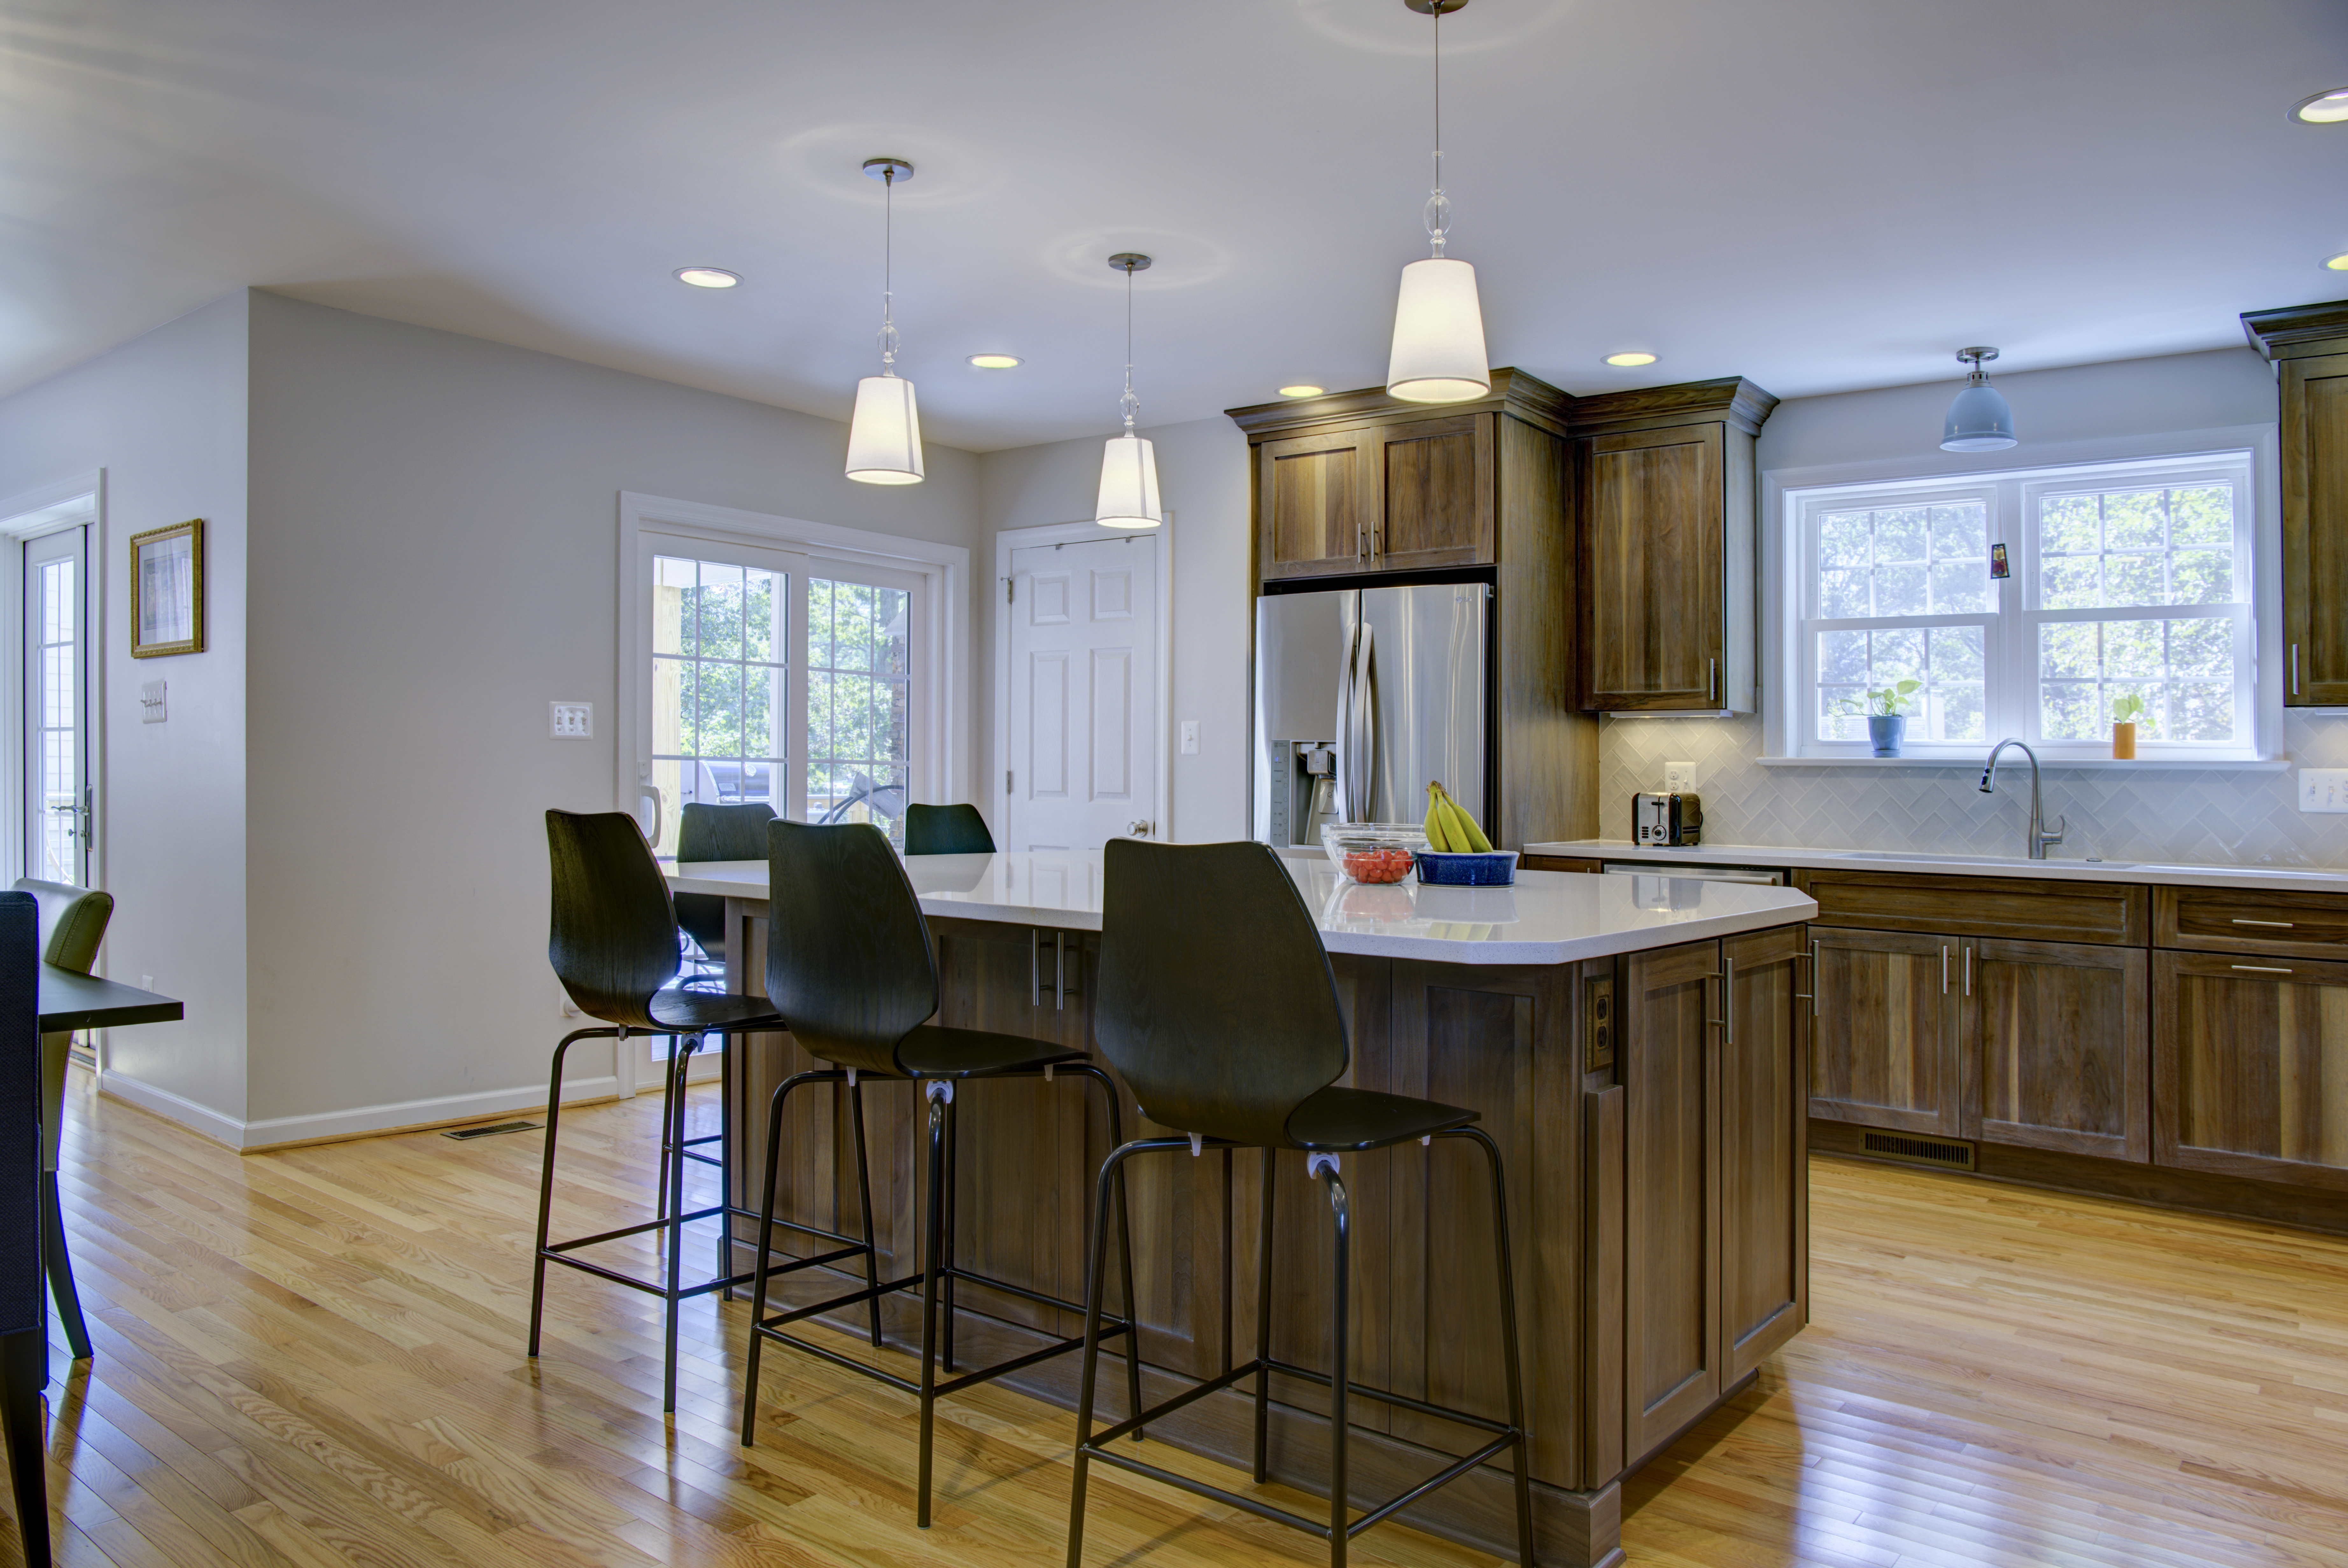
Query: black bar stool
point(850, 961)
point(706, 832)
point(946, 830)
point(614, 947)
point(1217, 1005)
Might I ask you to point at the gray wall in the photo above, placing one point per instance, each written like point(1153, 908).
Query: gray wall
point(2221, 815)
point(1202, 477)
point(435, 522)
point(164, 417)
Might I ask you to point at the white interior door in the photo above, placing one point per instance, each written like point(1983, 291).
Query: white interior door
point(1081, 747)
point(57, 707)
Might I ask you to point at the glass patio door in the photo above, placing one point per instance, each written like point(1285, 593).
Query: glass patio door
point(58, 826)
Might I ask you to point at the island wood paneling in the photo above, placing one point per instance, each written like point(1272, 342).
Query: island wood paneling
point(1671, 1257)
point(1435, 501)
point(1980, 906)
point(2250, 1067)
point(2248, 920)
point(1883, 1037)
point(2055, 1048)
point(1764, 1150)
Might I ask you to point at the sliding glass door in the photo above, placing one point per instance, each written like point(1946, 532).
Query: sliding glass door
point(58, 826)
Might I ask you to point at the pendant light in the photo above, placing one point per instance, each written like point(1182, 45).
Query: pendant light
point(1438, 334)
point(1128, 483)
point(1979, 420)
point(884, 436)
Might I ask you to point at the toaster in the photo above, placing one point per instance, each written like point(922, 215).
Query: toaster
point(1672, 818)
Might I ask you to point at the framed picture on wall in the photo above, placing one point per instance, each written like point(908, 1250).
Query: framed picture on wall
point(167, 591)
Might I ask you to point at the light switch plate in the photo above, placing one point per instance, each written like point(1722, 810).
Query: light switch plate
point(1679, 777)
point(1190, 738)
point(570, 720)
point(151, 707)
point(2324, 789)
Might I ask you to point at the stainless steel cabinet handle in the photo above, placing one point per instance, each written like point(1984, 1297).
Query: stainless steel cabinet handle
point(1810, 995)
point(1712, 679)
point(1945, 969)
point(1726, 1022)
point(2278, 924)
point(2259, 969)
point(2294, 669)
point(1969, 971)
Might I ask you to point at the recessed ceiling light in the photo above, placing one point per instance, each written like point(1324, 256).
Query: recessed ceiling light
point(2337, 263)
point(708, 277)
point(996, 361)
point(1632, 357)
point(2327, 108)
point(1302, 389)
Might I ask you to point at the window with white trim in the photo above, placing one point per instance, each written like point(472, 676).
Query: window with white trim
point(2129, 580)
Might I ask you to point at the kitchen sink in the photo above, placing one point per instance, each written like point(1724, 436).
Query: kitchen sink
point(2018, 861)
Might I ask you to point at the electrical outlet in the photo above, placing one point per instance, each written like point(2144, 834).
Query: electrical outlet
point(570, 720)
point(2324, 789)
point(1679, 777)
point(1190, 738)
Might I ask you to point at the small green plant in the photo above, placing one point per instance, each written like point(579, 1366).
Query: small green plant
point(2129, 709)
point(1883, 702)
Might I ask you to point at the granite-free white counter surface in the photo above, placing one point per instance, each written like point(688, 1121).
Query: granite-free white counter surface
point(1549, 917)
point(2305, 879)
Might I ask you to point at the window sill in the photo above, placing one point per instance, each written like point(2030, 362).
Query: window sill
point(1974, 761)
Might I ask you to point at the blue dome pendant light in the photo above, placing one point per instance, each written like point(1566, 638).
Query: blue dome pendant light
point(1979, 419)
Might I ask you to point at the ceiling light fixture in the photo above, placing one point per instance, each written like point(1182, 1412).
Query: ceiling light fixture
point(1129, 481)
point(2327, 108)
point(1302, 389)
point(2337, 263)
point(708, 277)
point(1979, 419)
point(1631, 360)
point(884, 434)
point(996, 361)
point(1438, 333)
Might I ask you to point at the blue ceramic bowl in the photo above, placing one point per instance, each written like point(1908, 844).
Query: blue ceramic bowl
point(1497, 868)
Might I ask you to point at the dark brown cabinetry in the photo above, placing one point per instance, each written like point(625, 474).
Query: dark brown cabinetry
point(1402, 497)
point(2309, 344)
point(1883, 1051)
point(1715, 1233)
point(2250, 1057)
point(1664, 485)
point(2051, 1046)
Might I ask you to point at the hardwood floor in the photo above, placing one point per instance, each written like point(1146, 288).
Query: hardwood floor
point(314, 1357)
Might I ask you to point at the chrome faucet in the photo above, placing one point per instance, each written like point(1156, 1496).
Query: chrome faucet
point(2038, 838)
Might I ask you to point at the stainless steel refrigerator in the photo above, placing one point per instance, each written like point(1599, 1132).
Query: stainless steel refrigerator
point(1362, 696)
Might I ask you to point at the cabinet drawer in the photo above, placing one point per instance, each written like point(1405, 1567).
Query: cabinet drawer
point(1980, 906)
point(2239, 920)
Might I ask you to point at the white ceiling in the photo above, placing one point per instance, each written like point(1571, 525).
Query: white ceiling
point(1820, 195)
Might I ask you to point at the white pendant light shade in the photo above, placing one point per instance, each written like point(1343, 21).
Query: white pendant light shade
point(1129, 485)
point(884, 438)
point(1438, 335)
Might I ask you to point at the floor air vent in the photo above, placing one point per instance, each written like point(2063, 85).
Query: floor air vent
point(1921, 1151)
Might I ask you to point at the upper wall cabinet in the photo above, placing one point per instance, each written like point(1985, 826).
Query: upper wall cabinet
point(1666, 504)
point(2310, 346)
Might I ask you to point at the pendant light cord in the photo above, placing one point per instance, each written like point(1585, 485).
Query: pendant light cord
point(1129, 403)
point(888, 272)
point(1438, 205)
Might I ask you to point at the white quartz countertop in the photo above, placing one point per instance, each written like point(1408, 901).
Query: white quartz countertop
point(1549, 917)
point(2313, 879)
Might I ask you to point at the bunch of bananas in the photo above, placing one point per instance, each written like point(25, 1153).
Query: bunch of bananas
point(1450, 830)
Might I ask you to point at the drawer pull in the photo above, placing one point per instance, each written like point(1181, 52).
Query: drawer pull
point(2260, 969)
point(2278, 924)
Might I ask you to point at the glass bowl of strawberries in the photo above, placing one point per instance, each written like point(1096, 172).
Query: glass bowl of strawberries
point(1373, 852)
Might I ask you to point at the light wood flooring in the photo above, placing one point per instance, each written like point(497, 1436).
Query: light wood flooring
point(314, 1357)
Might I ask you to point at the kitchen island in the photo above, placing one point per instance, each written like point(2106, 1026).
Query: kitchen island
point(1655, 1146)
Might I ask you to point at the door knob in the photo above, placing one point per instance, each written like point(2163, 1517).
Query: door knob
point(1138, 829)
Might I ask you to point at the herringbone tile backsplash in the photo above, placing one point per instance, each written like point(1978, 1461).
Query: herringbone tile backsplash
point(2225, 817)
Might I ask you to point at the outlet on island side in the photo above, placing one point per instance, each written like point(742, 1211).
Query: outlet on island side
point(2324, 789)
point(1679, 777)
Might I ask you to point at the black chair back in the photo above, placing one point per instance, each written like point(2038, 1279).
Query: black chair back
point(946, 830)
point(1216, 1000)
point(848, 956)
point(23, 1307)
point(716, 833)
point(614, 937)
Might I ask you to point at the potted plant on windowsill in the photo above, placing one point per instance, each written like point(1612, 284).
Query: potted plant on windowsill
point(1887, 714)
point(2125, 711)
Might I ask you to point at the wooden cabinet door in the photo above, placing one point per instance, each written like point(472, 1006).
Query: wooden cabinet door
point(1765, 1208)
point(1316, 498)
point(1669, 1070)
point(2249, 1060)
point(2315, 530)
point(2056, 1046)
point(1884, 1030)
point(1435, 494)
point(1654, 530)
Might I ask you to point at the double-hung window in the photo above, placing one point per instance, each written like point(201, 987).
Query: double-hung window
point(2129, 595)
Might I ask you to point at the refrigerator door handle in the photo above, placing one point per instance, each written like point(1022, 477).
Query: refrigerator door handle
point(1355, 727)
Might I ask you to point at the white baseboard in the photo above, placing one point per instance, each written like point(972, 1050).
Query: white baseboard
point(278, 1131)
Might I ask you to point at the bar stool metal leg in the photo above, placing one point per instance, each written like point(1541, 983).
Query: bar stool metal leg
point(1509, 1338)
point(940, 1097)
point(546, 1173)
point(864, 1207)
point(1264, 1326)
point(946, 1279)
point(1341, 1348)
point(680, 1062)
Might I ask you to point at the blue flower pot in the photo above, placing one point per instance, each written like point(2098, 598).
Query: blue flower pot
point(1884, 731)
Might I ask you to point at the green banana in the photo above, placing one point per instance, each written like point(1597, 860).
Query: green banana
point(1464, 829)
point(1438, 835)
